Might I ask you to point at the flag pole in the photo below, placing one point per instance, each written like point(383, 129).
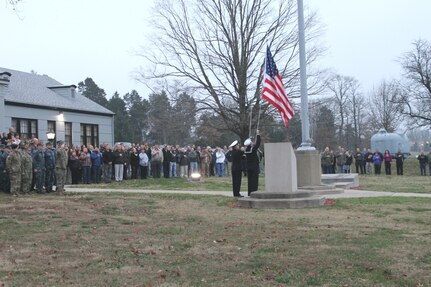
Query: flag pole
point(305, 125)
point(262, 71)
point(258, 116)
point(249, 125)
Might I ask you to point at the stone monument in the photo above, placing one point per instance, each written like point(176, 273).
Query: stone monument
point(281, 187)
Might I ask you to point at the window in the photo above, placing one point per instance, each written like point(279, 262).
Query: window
point(68, 134)
point(52, 128)
point(89, 134)
point(26, 128)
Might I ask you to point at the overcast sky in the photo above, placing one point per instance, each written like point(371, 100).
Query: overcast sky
point(71, 40)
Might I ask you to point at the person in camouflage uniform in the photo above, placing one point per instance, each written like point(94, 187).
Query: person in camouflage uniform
point(13, 166)
point(4, 176)
point(39, 167)
point(27, 168)
point(50, 167)
point(60, 166)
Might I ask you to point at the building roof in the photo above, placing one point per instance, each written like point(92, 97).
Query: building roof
point(39, 90)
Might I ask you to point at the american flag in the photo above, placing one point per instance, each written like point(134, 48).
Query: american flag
point(273, 89)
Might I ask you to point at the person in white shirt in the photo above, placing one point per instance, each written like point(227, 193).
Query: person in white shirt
point(220, 158)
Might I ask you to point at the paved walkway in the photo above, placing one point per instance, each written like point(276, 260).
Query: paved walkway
point(348, 193)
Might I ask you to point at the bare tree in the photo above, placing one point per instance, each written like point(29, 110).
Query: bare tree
point(384, 110)
point(217, 47)
point(343, 89)
point(357, 113)
point(13, 3)
point(415, 98)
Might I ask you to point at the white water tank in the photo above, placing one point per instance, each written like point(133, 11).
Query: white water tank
point(390, 141)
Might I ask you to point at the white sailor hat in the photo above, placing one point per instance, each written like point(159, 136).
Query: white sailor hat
point(234, 143)
point(247, 142)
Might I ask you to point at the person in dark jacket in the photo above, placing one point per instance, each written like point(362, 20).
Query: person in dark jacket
point(134, 162)
point(166, 160)
point(236, 158)
point(75, 166)
point(423, 160)
point(107, 157)
point(119, 162)
point(252, 163)
point(399, 162)
point(126, 168)
point(4, 176)
point(359, 161)
point(348, 162)
point(96, 164)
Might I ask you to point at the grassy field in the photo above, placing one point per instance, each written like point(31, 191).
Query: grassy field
point(121, 239)
point(411, 181)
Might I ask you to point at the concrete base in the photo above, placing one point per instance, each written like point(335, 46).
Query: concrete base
point(297, 202)
point(322, 189)
point(308, 167)
point(281, 189)
point(346, 180)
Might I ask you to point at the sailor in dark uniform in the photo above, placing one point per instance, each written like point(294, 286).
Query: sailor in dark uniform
point(252, 163)
point(236, 156)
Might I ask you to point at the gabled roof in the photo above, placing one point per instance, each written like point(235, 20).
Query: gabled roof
point(38, 90)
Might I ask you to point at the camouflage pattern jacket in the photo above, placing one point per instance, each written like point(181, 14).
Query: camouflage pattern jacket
point(13, 162)
point(61, 158)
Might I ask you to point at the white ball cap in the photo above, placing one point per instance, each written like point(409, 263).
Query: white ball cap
point(247, 142)
point(234, 143)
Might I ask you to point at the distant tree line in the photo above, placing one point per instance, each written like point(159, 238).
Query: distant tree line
point(347, 116)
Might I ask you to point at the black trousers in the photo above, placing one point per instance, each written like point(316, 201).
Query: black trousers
point(399, 168)
point(377, 168)
point(166, 165)
point(387, 168)
point(236, 182)
point(253, 179)
point(144, 171)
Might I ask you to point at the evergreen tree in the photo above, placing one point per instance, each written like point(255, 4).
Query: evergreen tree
point(122, 131)
point(209, 131)
point(184, 118)
point(137, 109)
point(91, 90)
point(159, 117)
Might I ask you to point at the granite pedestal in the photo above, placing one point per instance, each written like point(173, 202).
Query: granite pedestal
point(281, 182)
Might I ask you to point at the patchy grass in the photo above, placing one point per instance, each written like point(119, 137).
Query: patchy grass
point(410, 182)
point(120, 239)
point(394, 183)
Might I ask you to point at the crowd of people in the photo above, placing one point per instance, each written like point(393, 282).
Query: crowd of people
point(369, 162)
point(31, 166)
